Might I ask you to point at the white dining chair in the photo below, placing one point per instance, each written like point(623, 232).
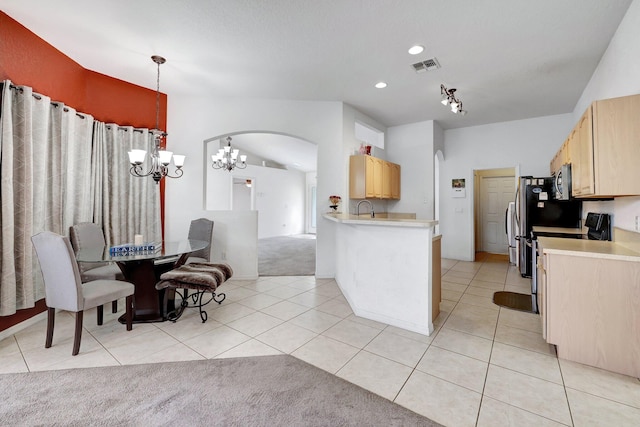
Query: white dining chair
point(89, 235)
point(64, 289)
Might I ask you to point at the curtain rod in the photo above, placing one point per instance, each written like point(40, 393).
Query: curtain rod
point(126, 129)
point(39, 97)
point(57, 104)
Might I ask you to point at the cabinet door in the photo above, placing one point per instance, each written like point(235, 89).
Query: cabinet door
point(395, 181)
point(370, 177)
point(377, 177)
point(436, 279)
point(584, 160)
point(386, 180)
point(357, 177)
point(616, 142)
point(542, 292)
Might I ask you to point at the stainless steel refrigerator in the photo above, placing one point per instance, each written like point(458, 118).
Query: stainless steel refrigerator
point(536, 206)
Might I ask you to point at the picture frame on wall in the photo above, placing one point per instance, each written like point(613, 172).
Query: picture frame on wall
point(458, 187)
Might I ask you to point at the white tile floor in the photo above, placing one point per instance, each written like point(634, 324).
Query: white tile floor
point(483, 366)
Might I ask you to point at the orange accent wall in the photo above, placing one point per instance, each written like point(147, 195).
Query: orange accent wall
point(28, 60)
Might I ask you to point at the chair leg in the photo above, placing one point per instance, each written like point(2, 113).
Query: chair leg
point(129, 312)
point(78, 334)
point(51, 320)
point(114, 306)
point(100, 310)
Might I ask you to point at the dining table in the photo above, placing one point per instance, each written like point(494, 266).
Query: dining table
point(143, 269)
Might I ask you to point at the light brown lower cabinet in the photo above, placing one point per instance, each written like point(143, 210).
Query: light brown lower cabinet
point(436, 276)
point(590, 309)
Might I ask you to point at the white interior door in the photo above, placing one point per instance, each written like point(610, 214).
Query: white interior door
point(495, 195)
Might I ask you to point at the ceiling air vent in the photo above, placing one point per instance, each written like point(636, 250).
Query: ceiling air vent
point(426, 65)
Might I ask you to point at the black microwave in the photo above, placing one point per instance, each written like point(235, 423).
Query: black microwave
point(562, 183)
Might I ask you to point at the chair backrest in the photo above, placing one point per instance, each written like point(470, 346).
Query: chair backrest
point(87, 235)
point(202, 229)
point(62, 285)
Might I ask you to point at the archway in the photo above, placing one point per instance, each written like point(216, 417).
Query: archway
point(279, 166)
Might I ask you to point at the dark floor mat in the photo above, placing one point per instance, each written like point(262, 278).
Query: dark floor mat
point(514, 300)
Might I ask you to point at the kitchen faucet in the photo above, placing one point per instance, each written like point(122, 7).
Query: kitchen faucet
point(373, 214)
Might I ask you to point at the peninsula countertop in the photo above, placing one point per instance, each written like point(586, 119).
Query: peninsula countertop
point(345, 218)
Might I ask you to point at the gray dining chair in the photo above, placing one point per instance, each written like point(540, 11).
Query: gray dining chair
point(201, 229)
point(90, 235)
point(64, 289)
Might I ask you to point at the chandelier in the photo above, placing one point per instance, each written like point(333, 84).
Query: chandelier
point(449, 98)
point(160, 159)
point(227, 158)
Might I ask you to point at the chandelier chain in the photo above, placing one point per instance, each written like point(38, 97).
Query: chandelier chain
point(158, 98)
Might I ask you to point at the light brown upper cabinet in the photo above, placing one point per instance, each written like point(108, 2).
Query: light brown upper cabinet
point(604, 149)
point(395, 181)
point(371, 177)
point(616, 146)
point(582, 174)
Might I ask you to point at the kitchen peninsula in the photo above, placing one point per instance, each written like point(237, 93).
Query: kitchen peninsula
point(384, 269)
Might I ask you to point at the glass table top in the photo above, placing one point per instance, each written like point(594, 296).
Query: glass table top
point(169, 249)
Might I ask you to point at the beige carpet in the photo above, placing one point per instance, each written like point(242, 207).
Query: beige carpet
point(254, 391)
point(287, 256)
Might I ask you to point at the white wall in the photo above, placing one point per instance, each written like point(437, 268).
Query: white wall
point(279, 197)
point(618, 74)
point(412, 146)
point(527, 144)
point(351, 145)
point(311, 180)
point(280, 201)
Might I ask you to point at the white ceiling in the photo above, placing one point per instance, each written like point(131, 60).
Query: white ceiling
point(508, 59)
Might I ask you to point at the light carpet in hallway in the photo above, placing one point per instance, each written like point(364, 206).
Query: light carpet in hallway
point(287, 256)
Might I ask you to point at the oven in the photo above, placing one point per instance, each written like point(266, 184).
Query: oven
point(565, 234)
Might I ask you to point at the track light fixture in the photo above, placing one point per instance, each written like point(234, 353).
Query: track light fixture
point(449, 98)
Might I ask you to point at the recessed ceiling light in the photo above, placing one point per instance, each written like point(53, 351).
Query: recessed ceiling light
point(414, 50)
point(381, 85)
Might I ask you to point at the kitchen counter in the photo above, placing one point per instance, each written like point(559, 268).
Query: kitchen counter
point(559, 230)
point(587, 248)
point(385, 221)
point(384, 269)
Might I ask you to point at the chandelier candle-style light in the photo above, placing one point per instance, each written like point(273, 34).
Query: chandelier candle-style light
point(160, 159)
point(449, 98)
point(227, 158)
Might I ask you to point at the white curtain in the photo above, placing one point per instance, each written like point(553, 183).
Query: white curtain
point(44, 151)
point(60, 168)
point(126, 205)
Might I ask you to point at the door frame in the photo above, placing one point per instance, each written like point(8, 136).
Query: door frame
point(253, 189)
point(478, 175)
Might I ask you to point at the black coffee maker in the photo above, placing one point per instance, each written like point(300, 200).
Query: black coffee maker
point(599, 225)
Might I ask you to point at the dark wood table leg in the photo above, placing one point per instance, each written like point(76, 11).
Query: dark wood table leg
point(147, 300)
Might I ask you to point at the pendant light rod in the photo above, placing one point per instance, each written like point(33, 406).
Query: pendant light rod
point(159, 158)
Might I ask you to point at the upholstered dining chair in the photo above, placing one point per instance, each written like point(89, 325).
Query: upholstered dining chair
point(90, 235)
point(64, 289)
point(201, 229)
